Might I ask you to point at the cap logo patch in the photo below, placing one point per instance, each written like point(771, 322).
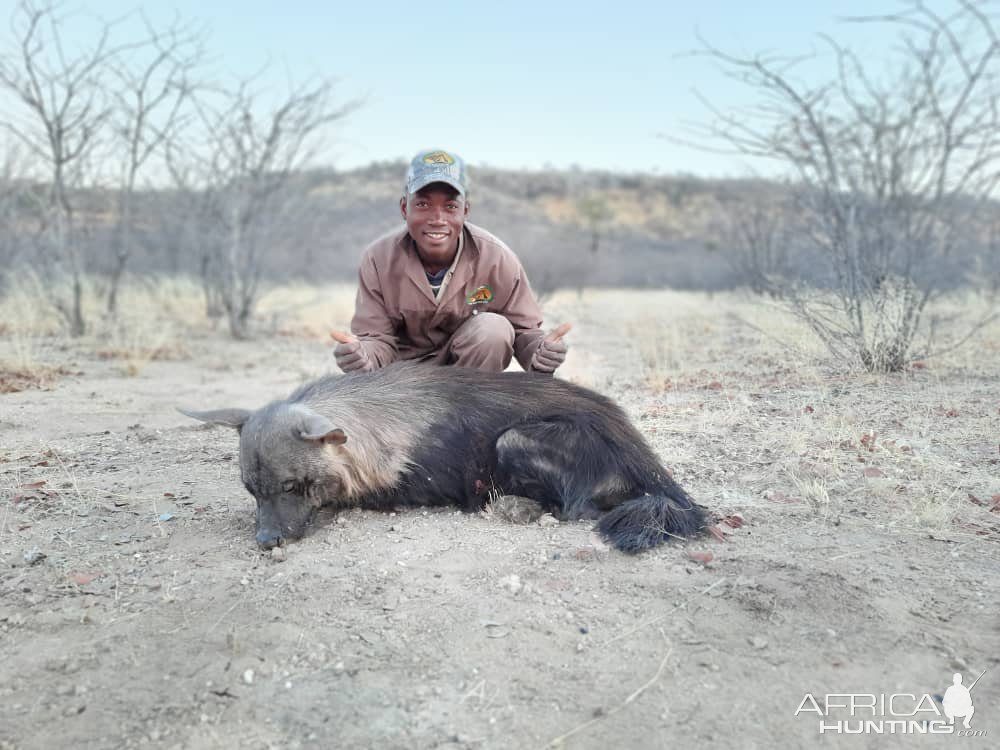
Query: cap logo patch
point(481, 296)
point(439, 157)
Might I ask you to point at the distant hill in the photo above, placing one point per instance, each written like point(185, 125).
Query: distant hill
point(571, 228)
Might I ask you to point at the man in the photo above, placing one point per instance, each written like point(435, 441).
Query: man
point(444, 291)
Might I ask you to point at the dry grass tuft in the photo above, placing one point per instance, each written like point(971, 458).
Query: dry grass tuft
point(136, 342)
point(305, 310)
point(37, 377)
point(28, 331)
point(52, 490)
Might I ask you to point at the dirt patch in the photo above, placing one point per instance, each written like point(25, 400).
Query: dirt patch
point(136, 612)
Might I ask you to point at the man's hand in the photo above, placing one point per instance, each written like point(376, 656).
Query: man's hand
point(349, 353)
point(552, 351)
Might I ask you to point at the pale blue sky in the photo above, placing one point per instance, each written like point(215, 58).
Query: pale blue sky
point(515, 84)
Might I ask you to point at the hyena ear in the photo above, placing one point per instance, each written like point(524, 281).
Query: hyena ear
point(336, 436)
point(319, 429)
point(226, 417)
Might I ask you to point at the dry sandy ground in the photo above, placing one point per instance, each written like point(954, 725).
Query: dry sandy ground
point(135, 610)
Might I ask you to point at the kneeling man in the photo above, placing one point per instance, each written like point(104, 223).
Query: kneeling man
point(443, 291)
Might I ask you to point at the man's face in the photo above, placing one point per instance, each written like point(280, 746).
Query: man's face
point(435, 216)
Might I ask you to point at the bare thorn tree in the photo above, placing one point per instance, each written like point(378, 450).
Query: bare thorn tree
point(246, 174)
point(890, 177)
point(63, 107)
point(151, 85)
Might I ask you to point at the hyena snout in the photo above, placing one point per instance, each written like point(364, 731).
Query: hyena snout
point(275, 527)
point(269, 538)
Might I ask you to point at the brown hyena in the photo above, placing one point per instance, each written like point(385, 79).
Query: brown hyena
point(413, 434)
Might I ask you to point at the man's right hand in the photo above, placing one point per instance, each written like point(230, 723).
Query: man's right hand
point(351, 356)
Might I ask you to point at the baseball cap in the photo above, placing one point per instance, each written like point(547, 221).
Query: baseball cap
point(436, 165)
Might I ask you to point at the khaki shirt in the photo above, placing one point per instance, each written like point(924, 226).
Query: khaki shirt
point(397, 316)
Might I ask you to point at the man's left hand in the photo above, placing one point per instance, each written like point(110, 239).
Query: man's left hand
point(552, 351)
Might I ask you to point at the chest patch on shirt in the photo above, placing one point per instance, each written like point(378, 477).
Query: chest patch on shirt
point(481, 296)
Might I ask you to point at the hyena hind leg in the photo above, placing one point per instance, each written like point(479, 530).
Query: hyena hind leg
point(561, 466)
point(571, 469)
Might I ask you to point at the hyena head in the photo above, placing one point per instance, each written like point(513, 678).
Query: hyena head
point(290, 461)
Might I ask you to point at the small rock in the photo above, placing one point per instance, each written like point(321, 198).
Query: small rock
point(512, 583)
point(496, 630)
point(278, 554)
point(548, 520)
point(33, 557)
point(248, 677)
point(758, 642)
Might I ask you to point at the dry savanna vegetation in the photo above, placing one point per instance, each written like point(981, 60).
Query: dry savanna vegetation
point(856, 522)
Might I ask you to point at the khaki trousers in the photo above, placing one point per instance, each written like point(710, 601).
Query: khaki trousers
point(485, 341)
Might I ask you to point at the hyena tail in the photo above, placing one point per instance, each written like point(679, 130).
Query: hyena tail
point(651, 519)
